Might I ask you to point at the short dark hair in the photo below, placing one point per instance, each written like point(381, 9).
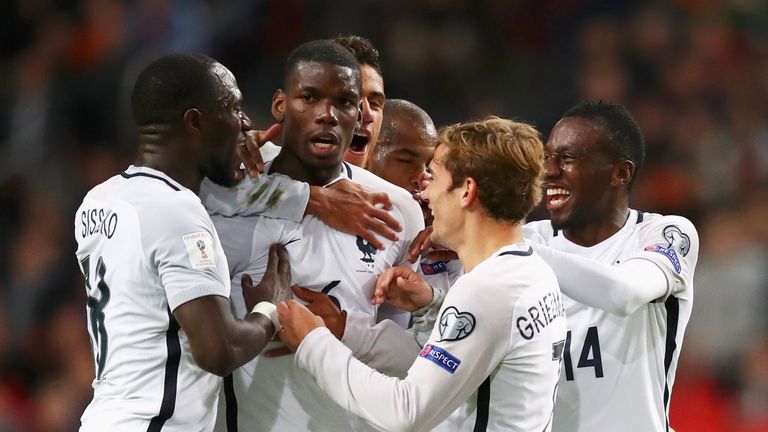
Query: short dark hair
point(621, 131)
point(397, 110)
point(320, 51)
point(172, 84)
point(362, 49)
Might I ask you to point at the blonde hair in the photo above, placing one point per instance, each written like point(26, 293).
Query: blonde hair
point(504, 157)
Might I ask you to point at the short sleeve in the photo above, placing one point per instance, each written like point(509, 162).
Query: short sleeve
point(672, 243)
point(180, 242)
point(273, 195)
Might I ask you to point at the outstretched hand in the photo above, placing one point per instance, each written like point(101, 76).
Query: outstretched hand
point(402, 288)
point(348, 207)
point(297, 321)
point(275, 285)
point(249, 153)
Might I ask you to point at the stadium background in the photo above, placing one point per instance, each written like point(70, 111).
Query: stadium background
point(694, 73)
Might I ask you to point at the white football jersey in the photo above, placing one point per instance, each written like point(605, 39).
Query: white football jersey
point(618, 371)
point(439, 274)
point(146, 245)
point(270, 393)
point(492, 360)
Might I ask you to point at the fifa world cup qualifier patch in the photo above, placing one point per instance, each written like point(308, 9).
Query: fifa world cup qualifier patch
point(200, 251)
point(440, 357)
point(677, 243)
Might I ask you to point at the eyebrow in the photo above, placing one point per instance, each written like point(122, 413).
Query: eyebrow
point(377, 94)
point(408, 152)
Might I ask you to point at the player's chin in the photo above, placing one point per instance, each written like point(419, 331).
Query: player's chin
point(223, 176)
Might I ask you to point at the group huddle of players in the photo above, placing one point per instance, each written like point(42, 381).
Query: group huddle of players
point(392, 257)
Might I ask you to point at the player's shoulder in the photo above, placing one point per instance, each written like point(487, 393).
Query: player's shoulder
point(399, 197)
point(655, 222)
point(376, 183)
point(540, 231)
point(514, 267)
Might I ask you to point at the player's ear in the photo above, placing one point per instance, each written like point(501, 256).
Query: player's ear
point(623, 172)
point(469, 193)
point(278, 106)
point(193, 119)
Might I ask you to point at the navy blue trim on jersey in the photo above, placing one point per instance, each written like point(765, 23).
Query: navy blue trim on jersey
point(291, 241)
point(640, 217)
point(168, 404)
point(231, 403)
point(483, 406)
point(346, 167)
point(141, 174)
point(672, 305)
point(528, 252)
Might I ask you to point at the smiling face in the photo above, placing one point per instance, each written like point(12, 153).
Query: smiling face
point(319, 112)
point(226, 126)
point(372, 113)
point(578, 175)
point(444, 201)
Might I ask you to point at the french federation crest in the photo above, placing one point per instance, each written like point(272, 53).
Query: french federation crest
point(367, 249)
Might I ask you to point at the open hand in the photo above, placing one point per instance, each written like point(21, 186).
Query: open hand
point(275, 285)
point(249, 153)
point(348, 207)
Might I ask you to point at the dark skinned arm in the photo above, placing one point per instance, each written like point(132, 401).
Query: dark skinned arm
point(219, 342)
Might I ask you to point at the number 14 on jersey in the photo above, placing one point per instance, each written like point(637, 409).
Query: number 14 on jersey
point(589, 355)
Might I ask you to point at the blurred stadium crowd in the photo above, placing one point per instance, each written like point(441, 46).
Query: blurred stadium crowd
point(694, 73)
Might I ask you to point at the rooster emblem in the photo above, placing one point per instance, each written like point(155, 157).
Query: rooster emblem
point(367, 249)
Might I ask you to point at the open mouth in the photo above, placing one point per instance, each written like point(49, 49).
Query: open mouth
point(324, 142)
point(359, 143)
point(557, 197)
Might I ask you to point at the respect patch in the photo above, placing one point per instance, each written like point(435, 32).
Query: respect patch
point(667, 252)
point(440, 357)
point(434, 268)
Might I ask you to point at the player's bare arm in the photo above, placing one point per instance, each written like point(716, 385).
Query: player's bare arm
point(219, 342)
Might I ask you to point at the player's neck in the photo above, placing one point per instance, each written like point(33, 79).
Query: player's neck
point(162, 158)
point(600, 230)
point(287, 163)
point(484, 236)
